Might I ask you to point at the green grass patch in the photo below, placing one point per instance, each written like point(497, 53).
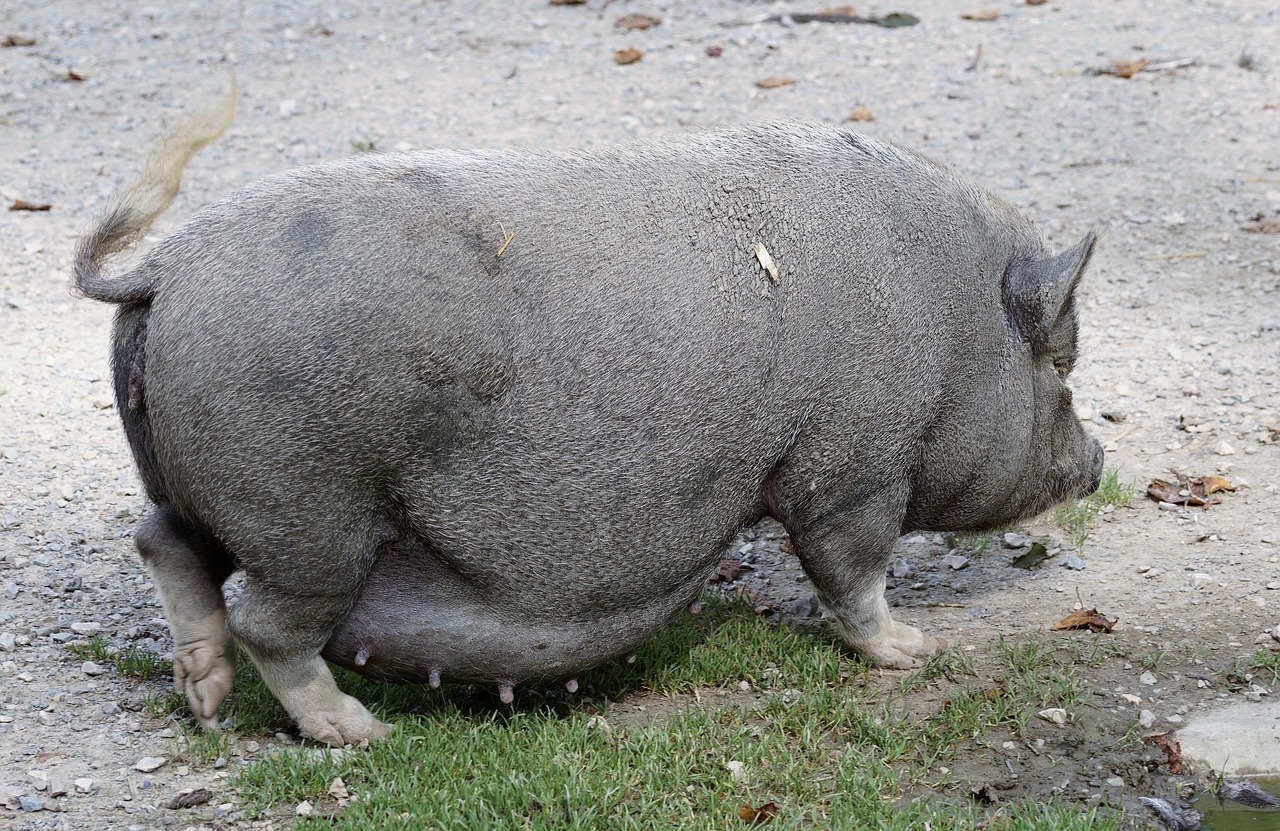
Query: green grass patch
point(1266, 665)
point(133, 661)
point(814, 737)
point(1077, 516)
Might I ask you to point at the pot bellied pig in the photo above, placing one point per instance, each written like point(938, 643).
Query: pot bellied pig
point(492, 416)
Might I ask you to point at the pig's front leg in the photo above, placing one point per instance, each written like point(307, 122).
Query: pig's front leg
point(845, 544)
point(283, 634)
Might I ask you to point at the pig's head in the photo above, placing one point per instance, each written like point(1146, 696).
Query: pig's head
point(1010, 444)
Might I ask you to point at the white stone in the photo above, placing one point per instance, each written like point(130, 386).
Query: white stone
point(1056, 715)
point(1222, 448)
point(86, 628)
point(1200, 580)
point(90, 668)
point(737, 771)
point(147, 764)
point(1147, 678)
point(1146, 719)
point(303, 809)
point(83, 785)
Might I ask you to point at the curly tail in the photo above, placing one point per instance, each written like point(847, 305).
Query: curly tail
point(138, 206)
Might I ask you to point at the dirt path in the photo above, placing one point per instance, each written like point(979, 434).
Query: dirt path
point(1181, 311)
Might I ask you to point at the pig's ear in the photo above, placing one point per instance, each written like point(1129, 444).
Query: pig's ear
point(1036, 293)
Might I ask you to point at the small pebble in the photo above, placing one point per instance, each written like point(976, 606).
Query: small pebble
point(1015, 541)
point(303, 809)
point(1073, 562)
point(83, 785)
point(1146, 719)
point(1200, 580)
point(1056, 715)
point(91, 668)
point(1147, 678)
point(955, 561)
point(31, 803)
point(1174, 719)
point(737, 771)
point(1115, 782)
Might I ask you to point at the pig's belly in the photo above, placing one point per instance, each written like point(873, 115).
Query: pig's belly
point(416, 620)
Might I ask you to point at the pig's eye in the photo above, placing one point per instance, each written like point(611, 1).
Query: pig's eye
point(1063, 367)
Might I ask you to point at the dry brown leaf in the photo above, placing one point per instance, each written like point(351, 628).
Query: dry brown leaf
point(1127, 69)
point(846, 10)
point(715, 51)
point(1168, 742)
point(861, 114)
point(1193, 491)
point(24, 205)
point(758, 816)
point(1089, 619)
point(982, 14)
point(567, 2)
point(1215, 484)
point(727, 570)
point(625, 56)
point(632, 22)
point(1163, 491)
point(1036, 2)
point(72, 75)
point(775, 82)
point(1262, 226)
point(17, 40)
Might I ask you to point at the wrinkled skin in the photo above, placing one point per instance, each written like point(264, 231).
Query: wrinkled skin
point(493, 416)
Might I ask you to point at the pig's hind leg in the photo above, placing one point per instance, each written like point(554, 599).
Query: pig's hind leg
point(845, 545)
point(188, 567)
point(283, 632)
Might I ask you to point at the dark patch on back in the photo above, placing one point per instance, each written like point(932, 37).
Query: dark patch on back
point(489, 378)
point(309, 233)
point(431, 368)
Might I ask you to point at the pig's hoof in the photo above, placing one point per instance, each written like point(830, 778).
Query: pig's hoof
point(901, 647)
point(348, 723)
point(204, 671)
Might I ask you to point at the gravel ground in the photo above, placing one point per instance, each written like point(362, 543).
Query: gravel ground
point(1177, 166)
